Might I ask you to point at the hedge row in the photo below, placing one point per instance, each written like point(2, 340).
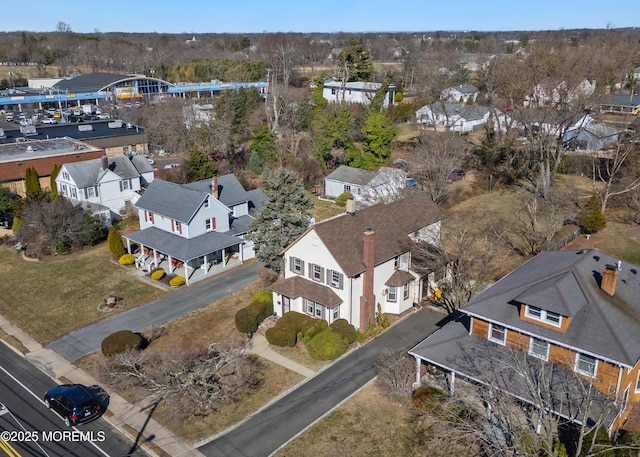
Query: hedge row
point(121, 341)
point(249, 318)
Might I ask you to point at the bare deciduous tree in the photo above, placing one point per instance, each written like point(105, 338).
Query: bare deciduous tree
point(193, 382)
point(396, 372)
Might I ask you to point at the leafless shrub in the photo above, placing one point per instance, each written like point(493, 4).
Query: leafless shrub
point(396, 372)
point(267, 276)
point(193, 382)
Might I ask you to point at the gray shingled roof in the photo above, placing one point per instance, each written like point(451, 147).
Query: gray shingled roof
point(489, 363)
point(87, 172)
point(608, 327)
point(392, 223)
point(182, 248)
point(230, 191)
point(468, 112)
point(352, 175)
point(171, 200)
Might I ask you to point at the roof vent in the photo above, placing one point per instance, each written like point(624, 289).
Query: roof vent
point(582, 251)
point(29, 148)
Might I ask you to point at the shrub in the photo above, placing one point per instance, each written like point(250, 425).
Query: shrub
point(327, 345)
point(591, 218)
point(114, 240)
point(344, 328)
point(157, 275)
point(397, 98)
point(341, 200)
point(318, 325)
point(121, 341)
point(177, 281)
point(249, 318)
point(281, 337)
point(127, 259)
point(296, 321)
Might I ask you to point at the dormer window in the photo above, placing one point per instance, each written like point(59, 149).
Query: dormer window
point(542, 315)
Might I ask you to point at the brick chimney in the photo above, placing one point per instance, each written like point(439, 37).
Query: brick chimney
point(368, 299)
point(214, 186)
point(609, 278)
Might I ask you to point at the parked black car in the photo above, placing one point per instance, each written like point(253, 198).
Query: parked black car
point(72, 118)
point(75, 403)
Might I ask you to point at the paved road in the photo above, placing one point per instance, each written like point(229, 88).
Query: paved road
point(21, 388)
point(87, 340)
point(268, 430)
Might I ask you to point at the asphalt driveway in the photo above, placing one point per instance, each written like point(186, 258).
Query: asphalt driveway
point(269, 429)
point(87, 340)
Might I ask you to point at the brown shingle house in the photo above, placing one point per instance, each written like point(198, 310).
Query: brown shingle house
point(570, 318)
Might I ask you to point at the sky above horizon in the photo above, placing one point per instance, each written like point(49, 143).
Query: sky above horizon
point(252, 16)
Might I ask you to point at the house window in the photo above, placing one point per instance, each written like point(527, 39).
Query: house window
point(539, 348)
point(91, 192)
point(317, 273)
point(333, 91)
point(396, 262)
point(586, 365)
point(74, 193)
point(178, 226)
point(405, 291)
point(207, 224)
point(315, 309)
point(124, 185)
point(151, 217)
point(336, 313)
point(206, 203)
point(542, 315)
point(296, 265)
point(335, 278)
point(347, 188)
point(498, 334)
point(392, 294)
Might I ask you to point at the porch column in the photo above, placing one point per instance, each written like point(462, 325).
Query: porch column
point(170, 264)
point(206, 263)
point(155, 257)
point(241, 252)
point(452, 383)
point(418, 368)
point(128, 245)
point(186, 272)
point(224, 258)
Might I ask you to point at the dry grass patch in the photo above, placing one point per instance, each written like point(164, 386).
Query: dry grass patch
point(64, 291)
point(324, 210)
point(369, 424)
point(300, 355)
point(198, 329)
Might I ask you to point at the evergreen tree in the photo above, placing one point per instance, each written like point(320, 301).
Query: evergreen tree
point(354, 63)
point(7, 200)
point(264, 149)
point(199, 166)
point(379, 132)
point(114, 240)
point(52, 180)
point(32, 183)
point(319, 102)
point(378, 99)
point(283, 218)
point(591, 218)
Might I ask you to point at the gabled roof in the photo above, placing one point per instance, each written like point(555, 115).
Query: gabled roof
point(171, 200)
point(351, 175)
point(602, 325)
point(391, 222)
point(231, 192)
point(623, 99)
point(354, 85)
point(463, 89)
point(88, 172)
point(468, 112)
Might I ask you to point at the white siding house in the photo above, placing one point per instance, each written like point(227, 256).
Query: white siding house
point(355, 92)
point(345, 266)
point(458, 117)
point(109, 181)
point(367, 187)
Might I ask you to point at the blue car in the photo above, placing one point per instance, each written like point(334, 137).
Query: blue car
point(75, 403)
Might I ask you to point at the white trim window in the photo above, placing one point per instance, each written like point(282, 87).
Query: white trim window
point(314, 309)
point(498, 333)
point(539, 348)
point(542, 315)
point(405, 290)
point(297, 265)
point(638, 383)
point(586, 365)
point(392, 294)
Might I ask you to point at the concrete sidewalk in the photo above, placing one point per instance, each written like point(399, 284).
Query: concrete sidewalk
point(122, 414)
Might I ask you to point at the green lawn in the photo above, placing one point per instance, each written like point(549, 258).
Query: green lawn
point(50, 298)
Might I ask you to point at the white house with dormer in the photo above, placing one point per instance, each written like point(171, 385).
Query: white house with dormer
point(344, 267)
point(110, 182)
point(367, 187)
point(194, 226)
